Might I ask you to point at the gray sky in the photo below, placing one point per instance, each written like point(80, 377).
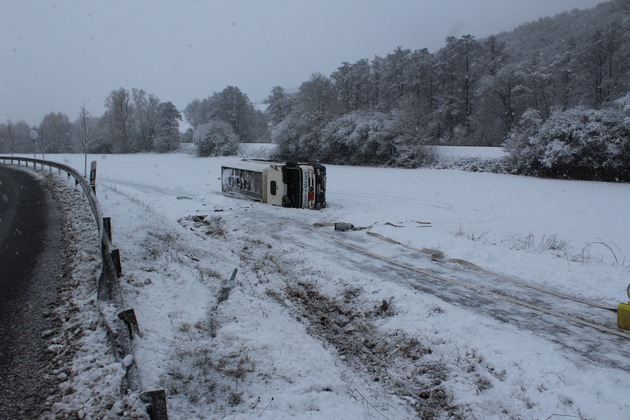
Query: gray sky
point(58, 55)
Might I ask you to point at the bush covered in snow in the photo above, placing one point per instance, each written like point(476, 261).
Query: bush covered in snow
point(475, 164)
point(356, 138)
point(578, 143)
point(215, 138)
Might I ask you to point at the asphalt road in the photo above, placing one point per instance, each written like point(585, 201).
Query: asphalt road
point(30, 270)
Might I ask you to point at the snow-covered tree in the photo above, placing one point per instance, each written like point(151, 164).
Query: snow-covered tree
point(83, 134)
point(279, 105)
point(55, 133)
point(316, 104)
point(521, 145)
point(395, 81)
point(118, 119)
point(15, 137)
point(198, 112)
point(296, 139)
point(353, 85)
point(317, 100)
point(233, 107)
point(578, 143)
point(215, 138)
point(7, 134)
point(144, 120)
point(167, 131)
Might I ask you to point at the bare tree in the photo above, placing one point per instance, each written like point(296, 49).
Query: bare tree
point(55, 133)
point(10, 136)
point(84, 133)
point(144, 121)
point(199, 112)
point(119, 118)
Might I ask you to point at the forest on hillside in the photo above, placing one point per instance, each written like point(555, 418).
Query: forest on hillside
point(554, 92)
point(470, 92)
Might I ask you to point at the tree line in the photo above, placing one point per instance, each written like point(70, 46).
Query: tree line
point(136, 121)
point(554, 74)
point(221, 121)
point(470, 92)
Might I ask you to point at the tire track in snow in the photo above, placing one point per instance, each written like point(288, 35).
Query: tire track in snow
point(587, 338)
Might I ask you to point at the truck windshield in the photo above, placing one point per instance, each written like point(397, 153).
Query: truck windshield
point(292, 177)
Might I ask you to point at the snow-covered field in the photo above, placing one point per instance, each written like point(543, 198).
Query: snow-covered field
point(310, 328)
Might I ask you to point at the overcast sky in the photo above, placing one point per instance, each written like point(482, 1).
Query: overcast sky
point(56, 56)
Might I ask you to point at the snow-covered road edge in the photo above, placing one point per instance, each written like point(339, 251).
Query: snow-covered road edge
point(87, 376)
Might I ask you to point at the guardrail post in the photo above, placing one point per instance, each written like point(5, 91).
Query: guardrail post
point(156, 401)
point(129, 318)
point(117, 264)
point(107, 226)
point(93, 176)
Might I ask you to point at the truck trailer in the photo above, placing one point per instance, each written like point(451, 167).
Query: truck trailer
point(290, 184)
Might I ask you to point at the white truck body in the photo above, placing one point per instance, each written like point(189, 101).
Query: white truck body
point(297, 185)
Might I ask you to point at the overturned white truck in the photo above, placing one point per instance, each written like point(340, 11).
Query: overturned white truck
point(291, 184)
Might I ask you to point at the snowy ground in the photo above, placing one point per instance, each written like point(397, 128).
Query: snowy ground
point(311, 328)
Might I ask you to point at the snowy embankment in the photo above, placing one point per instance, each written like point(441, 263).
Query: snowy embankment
point(311, 330)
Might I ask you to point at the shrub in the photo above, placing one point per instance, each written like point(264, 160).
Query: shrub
point(215, 138)
point(358, 138)
point(578, 143)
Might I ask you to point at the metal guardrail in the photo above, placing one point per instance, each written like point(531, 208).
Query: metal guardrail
point(108, 289)
point(109, 293)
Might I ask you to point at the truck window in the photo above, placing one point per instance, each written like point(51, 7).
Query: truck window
point(273, 187)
